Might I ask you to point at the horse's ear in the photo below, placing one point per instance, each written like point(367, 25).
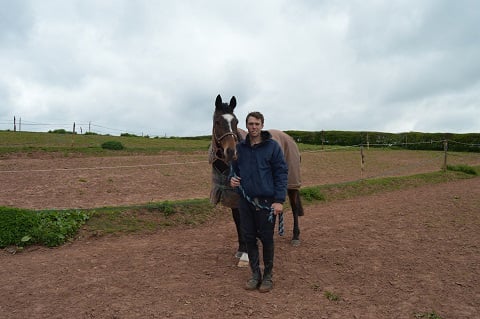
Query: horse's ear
point(218, 101)
point(233, 102)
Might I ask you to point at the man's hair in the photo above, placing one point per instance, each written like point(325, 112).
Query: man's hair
point(257, 115)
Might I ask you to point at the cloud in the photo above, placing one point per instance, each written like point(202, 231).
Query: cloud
point(156, 66)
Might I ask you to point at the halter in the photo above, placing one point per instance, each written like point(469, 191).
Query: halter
point(219, 139)
point(217, 146)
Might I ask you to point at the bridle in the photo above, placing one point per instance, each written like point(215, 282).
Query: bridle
point(219, 159)
point(219, 139)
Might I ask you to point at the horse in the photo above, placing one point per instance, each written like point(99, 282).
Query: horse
point(222, 150)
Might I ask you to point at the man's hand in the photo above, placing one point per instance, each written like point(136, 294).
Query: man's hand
point(277, 208)
point(235, 181)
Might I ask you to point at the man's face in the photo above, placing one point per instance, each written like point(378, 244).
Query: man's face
point(254, 126)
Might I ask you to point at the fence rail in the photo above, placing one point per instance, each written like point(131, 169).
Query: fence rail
point(85, 181)
point(19, 125)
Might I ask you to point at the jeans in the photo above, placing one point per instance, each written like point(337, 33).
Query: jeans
point(254, 224)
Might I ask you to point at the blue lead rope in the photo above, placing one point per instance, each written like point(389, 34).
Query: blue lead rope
point(271, 217)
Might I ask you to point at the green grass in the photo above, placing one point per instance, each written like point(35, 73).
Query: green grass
point(311, 194)
point(428, 315)
point(112, 145)
point(91, 144)
point(365, 187)
point(327, 294)
point(21, 227)
point(462, 168)
point(331, 296)
point(26, 142)
point(150, 217)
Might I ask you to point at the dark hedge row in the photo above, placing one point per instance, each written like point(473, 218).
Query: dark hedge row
point(469, 142)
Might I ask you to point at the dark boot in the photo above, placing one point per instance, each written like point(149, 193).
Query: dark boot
point(267, 282)
point(254, 282)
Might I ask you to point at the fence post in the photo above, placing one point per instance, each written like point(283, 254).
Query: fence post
point(73, 134)
point(362, 160)
point(445, 149)
point(323, 138)
point(14, 124)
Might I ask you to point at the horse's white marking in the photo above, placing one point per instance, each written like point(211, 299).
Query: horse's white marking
point(243, 262)
point(229, 118)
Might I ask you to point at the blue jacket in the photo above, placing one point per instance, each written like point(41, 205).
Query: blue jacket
point(262, 168)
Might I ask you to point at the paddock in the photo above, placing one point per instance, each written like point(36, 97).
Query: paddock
point(400, 254)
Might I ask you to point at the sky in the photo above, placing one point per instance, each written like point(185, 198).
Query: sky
point(155, 67)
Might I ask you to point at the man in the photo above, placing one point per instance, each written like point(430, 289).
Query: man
point(261, 174)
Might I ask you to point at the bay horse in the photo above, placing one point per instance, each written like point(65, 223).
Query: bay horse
point(225, 136)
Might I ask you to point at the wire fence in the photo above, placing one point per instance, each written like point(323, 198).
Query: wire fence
point(364, 161)
point(85, 181)
point(440, 158)
point(21, 125)
point(346, 164)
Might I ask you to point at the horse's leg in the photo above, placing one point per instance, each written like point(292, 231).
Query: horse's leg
point(296, 230)
point(297, 210)
point(242, 246)
point(295, 202)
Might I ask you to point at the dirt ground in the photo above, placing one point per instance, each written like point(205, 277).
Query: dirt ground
point(402, 254)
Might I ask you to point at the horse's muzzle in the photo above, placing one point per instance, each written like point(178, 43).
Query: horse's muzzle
point(230, 154)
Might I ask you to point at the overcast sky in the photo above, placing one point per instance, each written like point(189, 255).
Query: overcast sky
point(155, 67)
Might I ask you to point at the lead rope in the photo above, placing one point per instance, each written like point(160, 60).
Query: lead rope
point(281, 228)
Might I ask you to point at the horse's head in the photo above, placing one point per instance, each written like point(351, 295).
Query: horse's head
point(224, 133)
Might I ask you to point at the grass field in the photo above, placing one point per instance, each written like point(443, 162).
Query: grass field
point(11, 142)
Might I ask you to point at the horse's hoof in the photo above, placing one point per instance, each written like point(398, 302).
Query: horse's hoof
point(295, 242)
point(243, 262)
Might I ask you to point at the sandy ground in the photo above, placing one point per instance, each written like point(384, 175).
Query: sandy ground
point(398, 254)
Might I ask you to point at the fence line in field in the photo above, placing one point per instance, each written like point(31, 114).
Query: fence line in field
point(362, 157)
point(99, 167)
point(437, 158)
point(395, 171)
point(18, 125)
